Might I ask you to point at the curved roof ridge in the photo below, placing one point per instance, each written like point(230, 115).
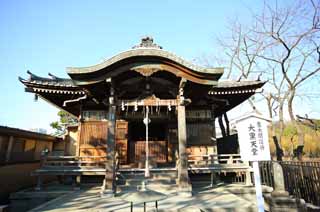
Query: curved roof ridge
point(144, 51)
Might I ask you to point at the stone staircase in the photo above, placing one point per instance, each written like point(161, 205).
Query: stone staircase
point(162, 181)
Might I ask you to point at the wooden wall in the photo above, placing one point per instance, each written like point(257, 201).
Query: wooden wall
point(158, 151)
point(93, 138)
point(122, 140)
point(22, 149)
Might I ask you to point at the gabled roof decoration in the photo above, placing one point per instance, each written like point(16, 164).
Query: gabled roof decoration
point(147, 49)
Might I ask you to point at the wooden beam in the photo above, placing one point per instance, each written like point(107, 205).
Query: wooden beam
point(182, 83)
point(148, 102)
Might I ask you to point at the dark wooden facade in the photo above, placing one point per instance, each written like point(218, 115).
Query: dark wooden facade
point(111, 99)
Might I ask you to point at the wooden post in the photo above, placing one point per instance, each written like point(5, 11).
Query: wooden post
point(79, 139)
point(214, 136)
point(109, 186)
point(214, 176)
point(1, 141)
point(183, 176)
point(9, 149)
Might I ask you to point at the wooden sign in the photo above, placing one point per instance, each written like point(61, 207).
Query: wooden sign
point(253, 138)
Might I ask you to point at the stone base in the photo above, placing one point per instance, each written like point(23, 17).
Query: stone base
point(106, 193)
point(76, 188)
point(185, 191)
point(280, 203)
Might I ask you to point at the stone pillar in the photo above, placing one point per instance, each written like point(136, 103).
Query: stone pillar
point(279, 200)
point(183, 176)
point(109, 186)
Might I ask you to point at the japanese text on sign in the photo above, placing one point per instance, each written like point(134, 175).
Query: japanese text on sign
point(253, 139)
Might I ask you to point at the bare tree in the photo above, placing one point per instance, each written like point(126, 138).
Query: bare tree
point(282, 44)
point(243, 60)
point(241, 51)
point(292, 36)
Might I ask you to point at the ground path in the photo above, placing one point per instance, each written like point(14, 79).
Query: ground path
point(222, 198)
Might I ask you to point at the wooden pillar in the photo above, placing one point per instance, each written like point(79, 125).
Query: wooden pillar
point(213, 135)
point(215, 159)
point(9, 149)
point(183, 176)
point(109, 186)
point(79, 133)
point(78, 139)
point(1, 141)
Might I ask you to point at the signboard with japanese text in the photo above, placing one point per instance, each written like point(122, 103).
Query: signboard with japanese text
point(253, 138)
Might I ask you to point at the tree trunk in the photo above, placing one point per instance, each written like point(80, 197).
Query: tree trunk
point(226, 120)
point(269, 104)
point(277, 140)
point(279, 152)
point(299, 149)
point(221, 125)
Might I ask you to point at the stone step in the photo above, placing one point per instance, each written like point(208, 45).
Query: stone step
point(153, 175)
point(163, 188)
point(136, 182)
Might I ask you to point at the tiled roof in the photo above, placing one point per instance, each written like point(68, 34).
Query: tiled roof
point(232, 84)
point(53, 81)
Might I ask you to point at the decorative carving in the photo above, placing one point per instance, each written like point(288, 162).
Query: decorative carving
point(147, 70)
point(147, 42)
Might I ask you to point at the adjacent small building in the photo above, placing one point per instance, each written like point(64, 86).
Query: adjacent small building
point(20, 153)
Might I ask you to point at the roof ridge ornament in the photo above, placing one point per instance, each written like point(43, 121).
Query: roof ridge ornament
point(147, 42)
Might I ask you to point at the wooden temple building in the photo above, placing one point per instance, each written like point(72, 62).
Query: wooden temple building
point(144, 87)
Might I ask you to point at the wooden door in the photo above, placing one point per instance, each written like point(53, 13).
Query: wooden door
point(122, 140)
point(158, 151)
point(93, 138)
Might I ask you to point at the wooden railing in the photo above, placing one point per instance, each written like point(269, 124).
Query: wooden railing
point(73, 161)
point(223, 163)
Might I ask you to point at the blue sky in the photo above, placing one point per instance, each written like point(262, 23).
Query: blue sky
point(48, 36)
